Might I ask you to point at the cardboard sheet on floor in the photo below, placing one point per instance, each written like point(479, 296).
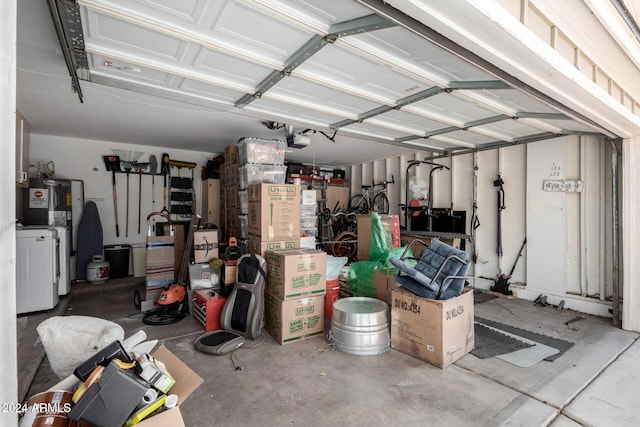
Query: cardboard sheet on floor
point(529, 356)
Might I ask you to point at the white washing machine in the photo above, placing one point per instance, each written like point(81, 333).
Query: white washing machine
point(64, 281)
point(37, 268)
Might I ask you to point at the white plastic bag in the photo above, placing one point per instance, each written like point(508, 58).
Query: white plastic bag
point(334, 264)
point(70, 340)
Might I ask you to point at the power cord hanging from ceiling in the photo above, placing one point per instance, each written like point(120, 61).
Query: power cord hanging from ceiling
point(276, 125)
point(330, 138)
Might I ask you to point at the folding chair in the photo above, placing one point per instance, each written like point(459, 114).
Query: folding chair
point(440, 272)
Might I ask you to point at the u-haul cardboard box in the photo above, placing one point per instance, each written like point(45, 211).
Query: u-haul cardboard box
point(295, 319)
point(260, 247)
point(436, 331)
point(296, 273)
point(274, 211)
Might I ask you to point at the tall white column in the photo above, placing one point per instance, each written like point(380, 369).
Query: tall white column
point(630, 214)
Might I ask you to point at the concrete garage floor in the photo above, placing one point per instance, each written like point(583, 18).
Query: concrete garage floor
point(595, 383)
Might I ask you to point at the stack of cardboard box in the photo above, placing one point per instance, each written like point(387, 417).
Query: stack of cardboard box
point(294, 294)
point(260, 161)
point(230, 183)
point(274, 217)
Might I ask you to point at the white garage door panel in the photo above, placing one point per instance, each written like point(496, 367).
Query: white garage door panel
point(452, 108)
point(403, 118)
point(318, 14)
point(188, 11)
point(217, 93)
point(368, 128)
point(230, 68)
point(337, 64)
point(252, 29)
point(406, 46)
point(469, 137)
point(292, 110)
point(104, 30)
point(310, 91)
point(509, 128)
point(127, 70)
point(517, 100)
point(273, 53)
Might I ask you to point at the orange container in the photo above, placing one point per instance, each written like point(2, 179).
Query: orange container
point(333, 289)
point(49, 408)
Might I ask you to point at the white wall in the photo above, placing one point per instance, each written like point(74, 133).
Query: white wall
point(8, 347)
point(568, 250)
point(82, 159)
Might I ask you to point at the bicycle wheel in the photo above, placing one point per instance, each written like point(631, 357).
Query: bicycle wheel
point(358, 204)
point(381, 203)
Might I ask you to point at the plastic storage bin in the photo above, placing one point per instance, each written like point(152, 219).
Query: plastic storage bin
point(256, 174)
point(262, 151)
point(307, 211)
point(307, 221)
point(309, 232)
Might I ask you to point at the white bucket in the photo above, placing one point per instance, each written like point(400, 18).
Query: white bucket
point(360, 326)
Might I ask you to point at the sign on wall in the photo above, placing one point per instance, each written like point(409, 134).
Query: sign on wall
point(562, 185)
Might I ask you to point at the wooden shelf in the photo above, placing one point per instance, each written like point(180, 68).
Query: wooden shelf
point(315, 178)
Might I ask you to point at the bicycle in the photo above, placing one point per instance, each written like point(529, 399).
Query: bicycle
point(365, 202)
